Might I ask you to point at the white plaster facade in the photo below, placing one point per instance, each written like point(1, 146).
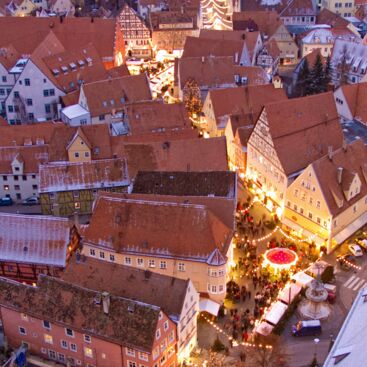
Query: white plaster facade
point(34, 96)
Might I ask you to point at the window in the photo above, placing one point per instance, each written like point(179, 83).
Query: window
point(31, 116)
point(10, 108)
point(132, 364)
point(77, 205)
point(75, 194)
point(143, 356)
point(48, 339)
point(165, 325)
point(83, 121)
point(87, 338)
point(92, 252)
point(127, 260)
point(130, 352)
point(214, 289)
point(295, 193)
point(61, 357)
point(34, 187)
point(29, 102)
point(318, 204)
point(34, 177)
point(73, 347)
point(163, 345)
point(101, 255)
point(45, 93)
point(163, 265)
point(221, 289)
point(23, 316)
point(76, 154)
point(301, 210)
point(86, 154)
point(47, 324)
point(181, 266)
point(155, 353)
point(51, 354)
point(6, 187)
point(101, 117)
point(24, 178)
point(151, 263)
point(22, 330)
point(310, 215)
point(310, 200)
point(64, 344)
point(112, 257)
point(140, 262)
point(27, 82)
point(69, 332)
point(88, 352)
point(295, 207)
point(52, 92)
point(158, 334)
point(3, 78)
point(47, 108)
point(2, 92)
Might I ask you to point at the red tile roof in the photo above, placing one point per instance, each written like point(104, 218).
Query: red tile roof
point(128, 322)
point(163, 291)
point(296, 126)
point(352, 160)
point(356, 97)
point(159, 229)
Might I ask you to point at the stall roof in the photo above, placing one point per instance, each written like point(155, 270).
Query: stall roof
point(302, 279)
point(288, 294)
point(276, 312)
point(209, 306)
point(264, 328)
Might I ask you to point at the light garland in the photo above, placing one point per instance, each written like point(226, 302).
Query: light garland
point(356, 267)
point(230, 338)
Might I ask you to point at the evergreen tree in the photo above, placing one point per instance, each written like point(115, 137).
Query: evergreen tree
point(314, 362)
point(328, 71)
point(344, 67)
point(303, 78)
point(317, 76)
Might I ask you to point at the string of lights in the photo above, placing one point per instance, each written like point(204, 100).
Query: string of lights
point(234, 342)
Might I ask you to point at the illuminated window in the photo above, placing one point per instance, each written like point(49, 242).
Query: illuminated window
point(77, 205)
point(88, 352)
point(48, 339)
point(163, 265)
point(24, 317)
point(151, 263)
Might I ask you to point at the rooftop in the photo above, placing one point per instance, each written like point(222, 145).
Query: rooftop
point(34, 239)
point(70, 305)
point(163, 291)
point(68, 176)
point(349, 348)
point(222, 183)
point(161, 229)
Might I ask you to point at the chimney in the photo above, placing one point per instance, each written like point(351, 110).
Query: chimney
point(203, 59)
point(106, 300)
point(236, 58)
point(330, 152)
point(340, 174)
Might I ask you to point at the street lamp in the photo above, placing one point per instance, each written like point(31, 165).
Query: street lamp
point(316, 341)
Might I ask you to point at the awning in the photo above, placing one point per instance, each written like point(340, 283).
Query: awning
point(209, 306)
point(351, 228)
point(302, 279)
point(264, 328)
point(296, 227)
point(288, 294)
point(276, 312)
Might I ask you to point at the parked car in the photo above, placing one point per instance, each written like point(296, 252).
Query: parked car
point(355, 250)
point(331, 292)
point(6, 201)
point(362, 243)
point(32, 200)
point(307, 328)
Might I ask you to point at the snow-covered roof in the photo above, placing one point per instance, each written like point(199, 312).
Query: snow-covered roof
point(19, 66)
point(67, 176)
point(320, 35)
point(34, 239)
point(73, 111)
point(349, 348)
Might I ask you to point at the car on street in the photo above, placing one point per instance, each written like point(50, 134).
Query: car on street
point(355, 250)
point(32, 200)
point(6, 201)
point(307, 328)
